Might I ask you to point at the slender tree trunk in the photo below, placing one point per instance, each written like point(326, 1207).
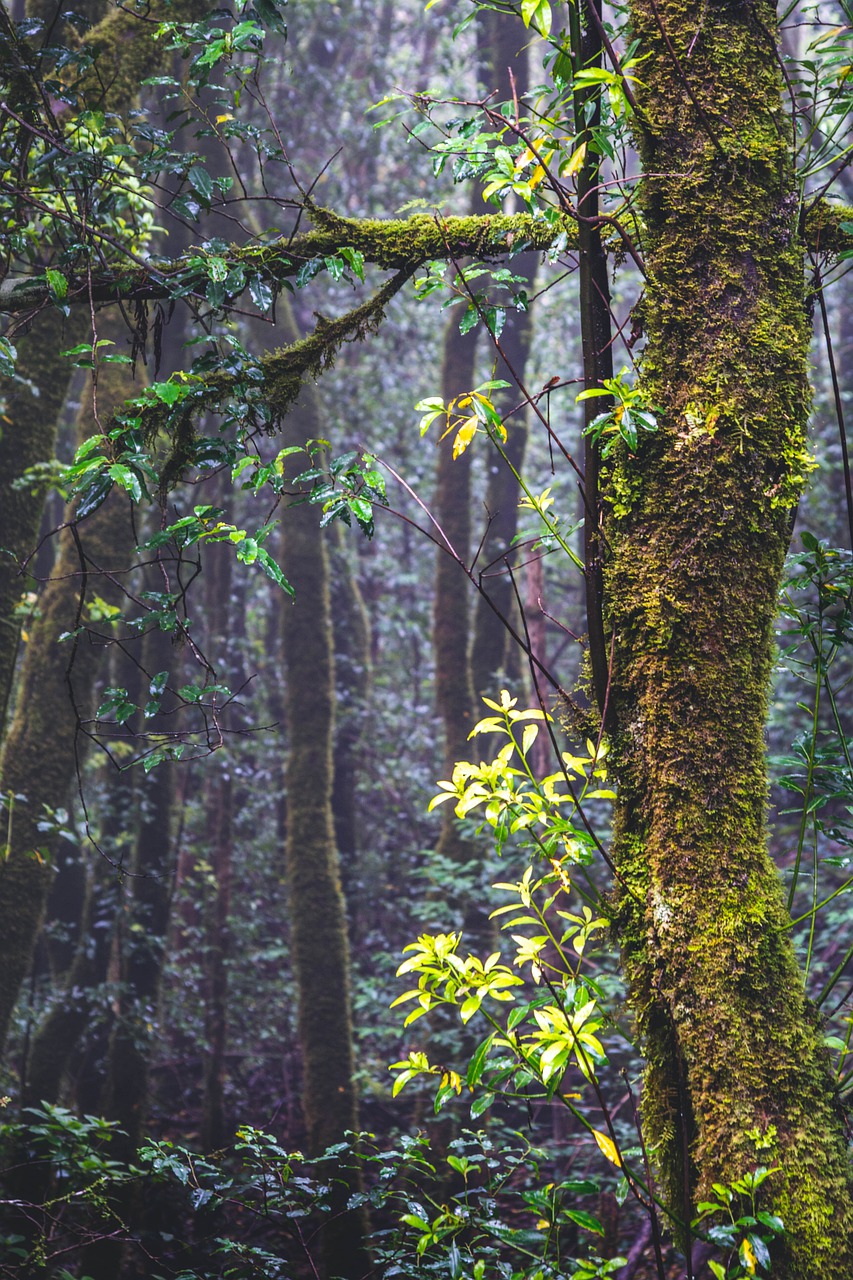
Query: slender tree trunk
point(318, 918)
point(699, 525)
point(220, 843)
point(351, 630)
point(454, 695)
point(506, 54)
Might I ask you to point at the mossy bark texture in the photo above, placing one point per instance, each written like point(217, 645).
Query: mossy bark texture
point(27, 437)
point(353, 680)
point(39, 752)
point(699, 525)
point(320, 947)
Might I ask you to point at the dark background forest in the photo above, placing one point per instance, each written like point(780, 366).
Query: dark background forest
point(226, 781)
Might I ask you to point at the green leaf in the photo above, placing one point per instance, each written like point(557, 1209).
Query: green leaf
point(272, 570)
point(585, 1220)
point(57, 283)
point(478, 1062)
point(481, 1104)
point(128, 480)
point(168, 392)
point(470, 318)
point(260, 293)
point(201, 183)
point(94, 495)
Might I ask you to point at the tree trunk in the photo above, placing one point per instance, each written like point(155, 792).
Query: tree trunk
point(353, 676)
point(41, 750)
point(504, 49)
point(318, 929)
point(219, 808)
point(454, 694)
point(27, 439)
point(699, 524)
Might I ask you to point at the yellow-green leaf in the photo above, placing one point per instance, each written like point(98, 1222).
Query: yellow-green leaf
point(464, 436)
point(608, 1147)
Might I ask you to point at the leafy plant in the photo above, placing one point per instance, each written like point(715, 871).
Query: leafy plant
point(629, 415)
point(746, 1232)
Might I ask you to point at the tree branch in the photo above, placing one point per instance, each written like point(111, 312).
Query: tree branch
point(392, 245)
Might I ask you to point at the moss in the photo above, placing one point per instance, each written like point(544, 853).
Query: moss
point(43, 744)
point(320, 946)
point(353, 683)
point(27, 438)
point(395, 244)
point(699, 527)
point(125, 55)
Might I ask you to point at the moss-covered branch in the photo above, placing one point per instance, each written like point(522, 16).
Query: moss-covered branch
point(396, 244)
point(282, 374)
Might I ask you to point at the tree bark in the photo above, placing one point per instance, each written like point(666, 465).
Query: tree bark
point(318, 918)
point(28, 438)
point(41, 748)
point(699, 521)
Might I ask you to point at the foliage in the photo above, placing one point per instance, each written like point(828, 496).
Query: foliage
point(479, 1209)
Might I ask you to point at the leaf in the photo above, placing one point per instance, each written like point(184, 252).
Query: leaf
point(96, 493)
point(760, 1251)
point(168, 392)
point(748, 1259)
point(57, 283)
point(585, 1220)
point(481, 1104)
point(270, 15)
point(608, 1148)
point(272, 570)
point(478, 1062)
point(576, 163)
point(202, 183)
point(128, 480)
point(464, 436)
point(260, 293)
point(470, 318)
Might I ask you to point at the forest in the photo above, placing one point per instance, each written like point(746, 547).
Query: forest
point(426, 609)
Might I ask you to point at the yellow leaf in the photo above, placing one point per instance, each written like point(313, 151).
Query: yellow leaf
point(608, 1148)
point(464, 436)
point(540, 170)
point(543, 1224)
point(747, 1256)
point(576, 163)
point(524, 159)
point(222, 119)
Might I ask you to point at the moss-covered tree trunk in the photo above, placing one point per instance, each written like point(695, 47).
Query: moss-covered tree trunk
point(353, 678)
point(43, 743)
point(27, 438)
point(699, 534)
point(219, 808)
point(320, 946)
